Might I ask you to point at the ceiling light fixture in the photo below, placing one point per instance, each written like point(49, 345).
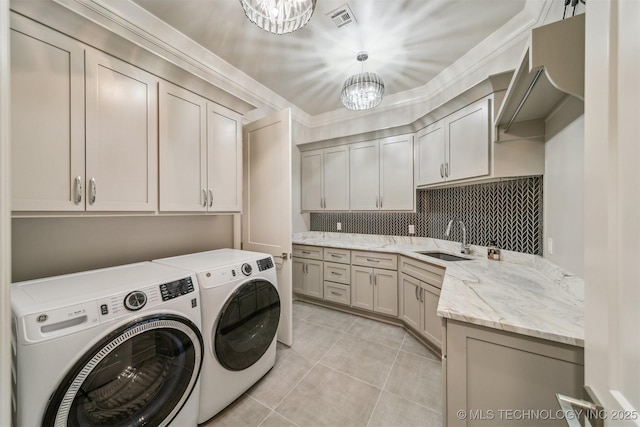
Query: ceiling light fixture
point(362, 91)
point(279, 16)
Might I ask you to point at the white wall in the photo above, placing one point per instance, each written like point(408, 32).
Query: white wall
point(5, 222)
point(563, 197)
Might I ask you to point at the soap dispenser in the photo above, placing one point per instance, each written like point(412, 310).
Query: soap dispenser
point(493, 252)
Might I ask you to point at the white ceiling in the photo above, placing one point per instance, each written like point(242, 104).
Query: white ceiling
point(409, 42)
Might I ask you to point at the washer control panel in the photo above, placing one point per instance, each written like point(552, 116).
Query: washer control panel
point(135, 300)
point(246, 269)
point(177, 288)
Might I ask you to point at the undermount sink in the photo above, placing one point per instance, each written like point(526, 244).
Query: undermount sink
point(443, 256)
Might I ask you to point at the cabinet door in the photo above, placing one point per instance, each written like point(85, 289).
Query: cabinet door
point(183, 141)
point(410, 305)
point(314, 282)
point(336, 178)
point(386, 292)
point(432, 324)
point(364, 187)
point(469, 138)
point(224, 159)
point(298, 275)
point(430, 154)
point(396, 173)
point(47, 119)
point(311, 164)
point(362, 287)
point(122, 135)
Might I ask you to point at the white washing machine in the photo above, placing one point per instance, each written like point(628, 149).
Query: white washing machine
point(240, 316)
point(120, 346)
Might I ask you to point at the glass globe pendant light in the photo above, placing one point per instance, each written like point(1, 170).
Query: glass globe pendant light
point(362, 91)
point(279, 16)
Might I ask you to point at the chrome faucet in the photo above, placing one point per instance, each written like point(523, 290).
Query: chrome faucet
point(465, 248)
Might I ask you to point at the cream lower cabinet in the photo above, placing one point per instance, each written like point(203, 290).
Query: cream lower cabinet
point(307, 277)
point(420, 284)
point(200, 154)
point(308, 271)
point(497, 378)
point(337, 275)
point(374, 289)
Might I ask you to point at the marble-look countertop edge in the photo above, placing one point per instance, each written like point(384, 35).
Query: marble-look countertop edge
point(461, 277)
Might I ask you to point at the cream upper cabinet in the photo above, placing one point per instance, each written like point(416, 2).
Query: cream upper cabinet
point(336, 178)
point(457, 147)
point(121, 135)
point(47, 119)
point(200, 154)
point(224, 159)
point(311, 175)
point(183, 142)
point(84, 126)
point(396, 173)
point(430, 149)
point(325, 179)
point(381, 174)
point(364, 177)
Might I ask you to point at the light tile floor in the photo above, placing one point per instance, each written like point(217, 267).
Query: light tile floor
point(342, 370)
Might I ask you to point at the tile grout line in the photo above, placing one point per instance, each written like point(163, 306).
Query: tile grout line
point(385, 381)
point(316, 363)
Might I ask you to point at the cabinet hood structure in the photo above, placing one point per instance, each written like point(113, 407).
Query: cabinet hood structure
point(551, 69)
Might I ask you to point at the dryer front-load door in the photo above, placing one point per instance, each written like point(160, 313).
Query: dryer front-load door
point(140, 375)
point(247, 325)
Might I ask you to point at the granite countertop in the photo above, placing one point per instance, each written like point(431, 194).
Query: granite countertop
point(523, 293)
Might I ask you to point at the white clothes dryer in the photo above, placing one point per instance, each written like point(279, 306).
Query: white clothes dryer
point(120, 346)
point(240, 317)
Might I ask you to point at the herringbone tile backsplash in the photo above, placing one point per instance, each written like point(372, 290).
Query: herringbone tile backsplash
point(509, 212)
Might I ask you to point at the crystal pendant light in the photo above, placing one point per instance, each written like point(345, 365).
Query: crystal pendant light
point(279, 16)
point(362, 91)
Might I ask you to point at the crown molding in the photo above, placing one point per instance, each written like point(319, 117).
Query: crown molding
point(133, 23)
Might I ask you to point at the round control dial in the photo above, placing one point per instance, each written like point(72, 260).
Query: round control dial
point(135, 300)
point(246, 269)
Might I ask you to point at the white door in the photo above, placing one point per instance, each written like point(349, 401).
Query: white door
point(266, 221)
point(430, 154)
point(311, 164)
point(612, 207)
point(396, 173)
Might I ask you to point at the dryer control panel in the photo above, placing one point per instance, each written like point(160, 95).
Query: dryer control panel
point(265, 264)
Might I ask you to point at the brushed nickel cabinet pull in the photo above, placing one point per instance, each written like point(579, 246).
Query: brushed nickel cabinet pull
point(204, 197)
point(77, 199)
point(93, 191)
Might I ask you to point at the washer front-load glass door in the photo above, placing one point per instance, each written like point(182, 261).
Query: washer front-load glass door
point(140, 375)
point(247, 325)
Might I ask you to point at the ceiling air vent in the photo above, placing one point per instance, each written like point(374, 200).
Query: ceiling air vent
point(342, 16)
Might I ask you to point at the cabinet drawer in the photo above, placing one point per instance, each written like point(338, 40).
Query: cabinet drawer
point(428, 273)
point(337, 293)
point(309, 252)
point(337, 255)
point(375, 259)
point(339, 273)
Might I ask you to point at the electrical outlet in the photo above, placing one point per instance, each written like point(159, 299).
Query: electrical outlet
point(412, 229)
point(549, 245)
point(339, 226)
